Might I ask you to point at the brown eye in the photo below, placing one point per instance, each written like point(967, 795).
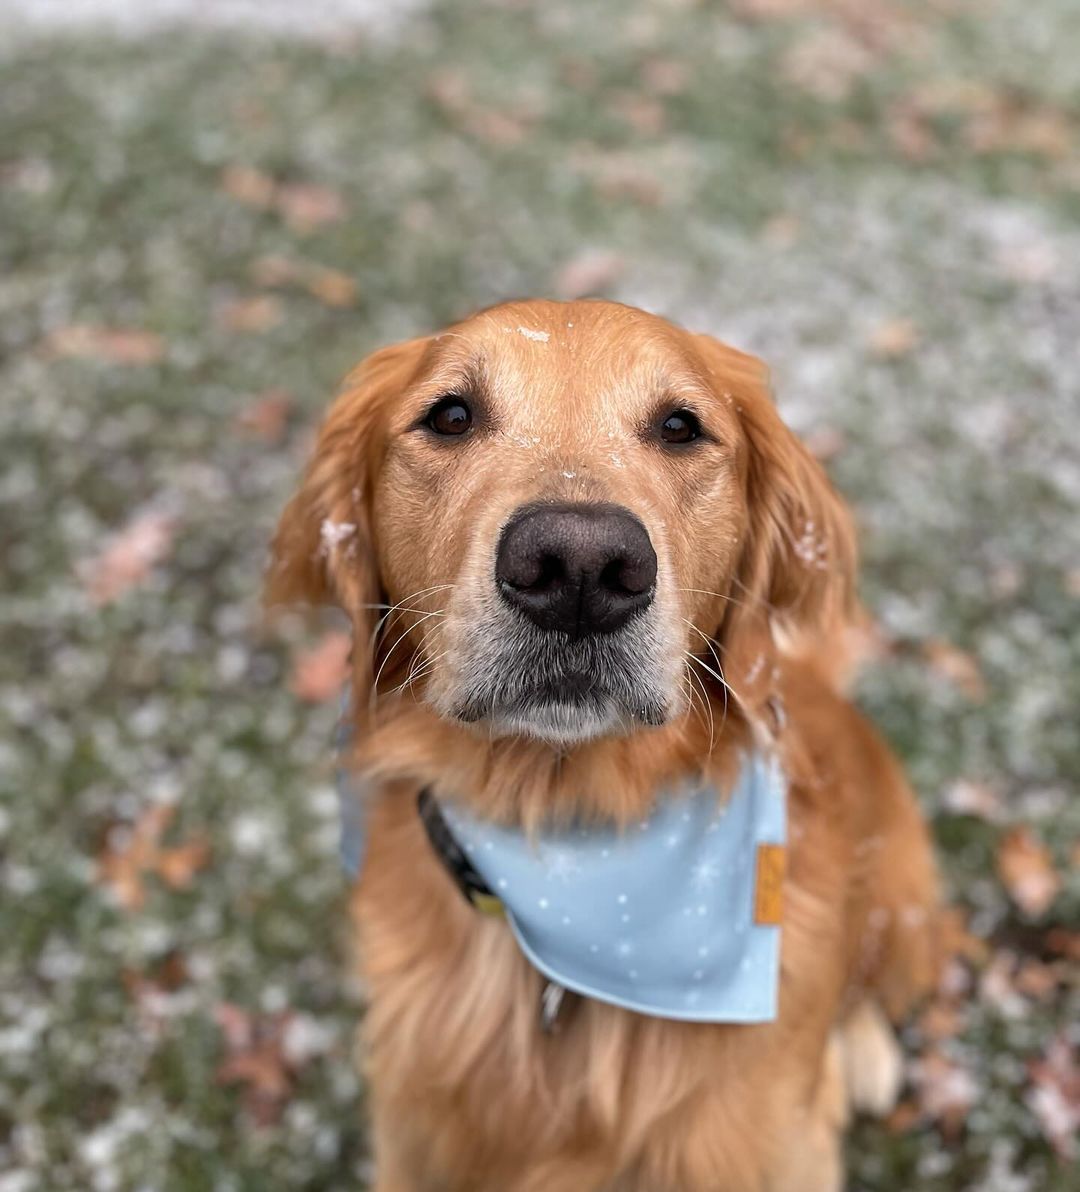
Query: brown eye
point(451, 416)
point(680, 426)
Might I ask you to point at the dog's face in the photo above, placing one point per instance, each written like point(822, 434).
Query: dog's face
point(569, 509)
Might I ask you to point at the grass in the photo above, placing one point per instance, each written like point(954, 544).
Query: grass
point(883, 207)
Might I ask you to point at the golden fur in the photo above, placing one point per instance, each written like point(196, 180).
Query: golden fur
point(756, 580)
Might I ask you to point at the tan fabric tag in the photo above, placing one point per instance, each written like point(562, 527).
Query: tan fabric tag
point(769, 885)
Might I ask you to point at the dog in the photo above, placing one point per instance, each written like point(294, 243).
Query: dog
point(588, 569)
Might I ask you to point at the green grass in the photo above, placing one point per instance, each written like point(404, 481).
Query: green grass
point(476, 154)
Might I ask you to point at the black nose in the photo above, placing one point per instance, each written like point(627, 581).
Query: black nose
point(577, 568)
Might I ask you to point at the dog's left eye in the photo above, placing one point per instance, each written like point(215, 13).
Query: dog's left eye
point(680, 426)
point(451, 416)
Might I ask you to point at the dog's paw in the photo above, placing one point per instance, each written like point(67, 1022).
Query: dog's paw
point(873, 1060)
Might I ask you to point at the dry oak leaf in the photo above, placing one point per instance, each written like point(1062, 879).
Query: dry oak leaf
point(319, 674)
point(946, 1089)
point(942, 1019)
point(131, 854)
point(903, 1118)
point(772, 10)
point(644, 114)
point(274, 270)
point(955, 666)
point(1040, 981)
point(825, 442)
point(957, 941)
point(260, 313)
point(1060, 941)
point(267, 414)
point(248, 185)
point(966, 797)
point(332, 287)
point(827, 64)
point(304, 206)
point(1027, 871)
point(255, 1058)
point(589, 273)
point(781, 231)
point(307, 206)
point(129, 556)
point(893, 339)
point(665, 76)
point(1054, 1097)
point(111, 345)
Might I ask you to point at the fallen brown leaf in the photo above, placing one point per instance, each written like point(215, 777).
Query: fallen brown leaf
point(274, 270)
point(1039, 981)
point(256, 314)
point(957, 941)
point(772, 10)
point(997, 985)
point(903, 1118)
point(248, 185)
point(619, 176)
point(495, 127)
point(112, 345)
point(267, 415)
point(643, 113)
point(942, 1020)
point(1062, 942)
point(825, 442)
point(306, 206)
point(973, 798)
point(956, 667)
point(827, 64)
point(319, 674)
point(665, 76)
point(129, 556)
point(264, 1053)
point(1027, 871)
point(133, 852)
point(587, 274)
point(256, 1060)
point(781, 231)
point(910, 132)
point(1038, 132)
point(177, 866)
point(449, 90)
point(332, 287)
point(893, 339)
point(1006, 579)
point(946, 1090)
point(1054, 1097)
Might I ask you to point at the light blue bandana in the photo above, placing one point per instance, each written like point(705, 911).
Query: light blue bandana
point(658, 918)
point(664, 917)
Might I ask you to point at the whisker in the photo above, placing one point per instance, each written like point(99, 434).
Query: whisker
point(708, 706)
point(418, 664)
point(386, 657)
point(420, 672)
point(399, 607)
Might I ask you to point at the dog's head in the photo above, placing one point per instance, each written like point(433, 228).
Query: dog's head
point(560, 519)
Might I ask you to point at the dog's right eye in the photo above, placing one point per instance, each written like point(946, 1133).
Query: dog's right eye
point(451, 416)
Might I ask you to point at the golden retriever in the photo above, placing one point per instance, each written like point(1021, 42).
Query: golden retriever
point(585, 561)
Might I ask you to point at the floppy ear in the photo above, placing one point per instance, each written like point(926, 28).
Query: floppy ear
point(324, 550)
point(795, 577)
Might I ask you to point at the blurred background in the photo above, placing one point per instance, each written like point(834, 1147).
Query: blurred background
point(209, 211)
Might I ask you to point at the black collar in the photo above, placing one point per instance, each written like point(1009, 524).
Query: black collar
point(461, 870)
